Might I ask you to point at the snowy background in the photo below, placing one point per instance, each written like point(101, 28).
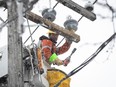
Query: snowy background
point(101, 72)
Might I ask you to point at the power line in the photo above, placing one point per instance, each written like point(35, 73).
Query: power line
point(31, 34)
point(55, 5)
point(88, 60)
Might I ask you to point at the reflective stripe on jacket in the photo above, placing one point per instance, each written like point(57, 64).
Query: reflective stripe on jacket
point(48, 48)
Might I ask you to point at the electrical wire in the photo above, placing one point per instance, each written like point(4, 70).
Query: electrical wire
point(33, 47)
point(1, 19)
point(31, 34)
point(80, 18)
point(60, 42)
point(34, 50)
point(35, 30)
point(88, 60)
point(55, 5)
point(77, 21)
point(7, 21)
point(95, 2)
point(30, 31)
point(51, 4)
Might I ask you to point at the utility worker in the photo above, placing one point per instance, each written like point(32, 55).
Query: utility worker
point(49, 51)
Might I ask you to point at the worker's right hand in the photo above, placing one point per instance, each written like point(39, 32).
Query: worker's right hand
point(58, 62)
point(66, 62)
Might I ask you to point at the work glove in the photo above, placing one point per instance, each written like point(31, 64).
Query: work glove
point(58, 62)
point(66, 61)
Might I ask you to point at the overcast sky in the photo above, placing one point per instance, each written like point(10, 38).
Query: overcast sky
point(101, 72)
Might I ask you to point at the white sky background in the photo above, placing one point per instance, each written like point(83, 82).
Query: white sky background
point(101, 72)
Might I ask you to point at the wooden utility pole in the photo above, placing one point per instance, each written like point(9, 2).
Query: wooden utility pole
point(15, 66)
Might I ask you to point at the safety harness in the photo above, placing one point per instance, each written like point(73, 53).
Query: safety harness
point(54, 55)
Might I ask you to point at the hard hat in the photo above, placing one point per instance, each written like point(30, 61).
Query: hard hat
point(51, 32)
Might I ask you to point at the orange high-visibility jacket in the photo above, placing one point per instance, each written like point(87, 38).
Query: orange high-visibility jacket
point(49, 47)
